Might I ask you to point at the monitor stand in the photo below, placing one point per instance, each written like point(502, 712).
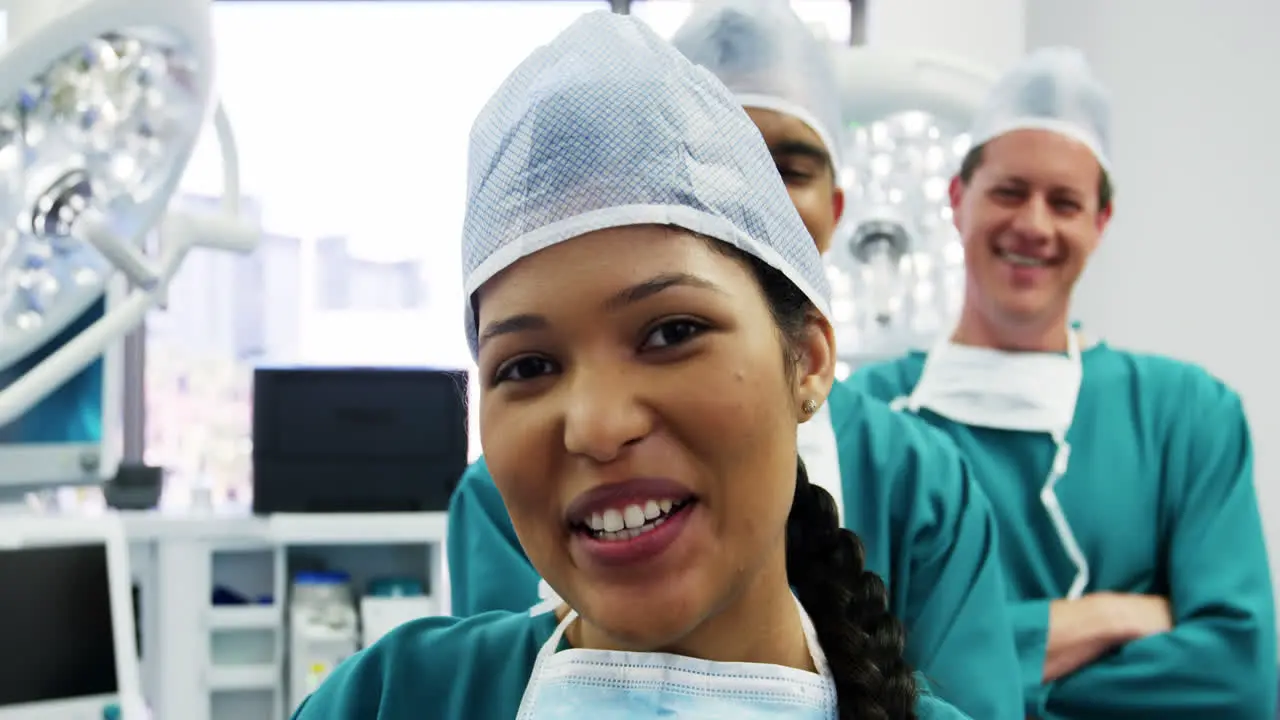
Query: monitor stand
point(136, 486)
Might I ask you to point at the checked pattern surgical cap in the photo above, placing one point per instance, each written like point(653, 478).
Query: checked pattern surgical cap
point(609, 126)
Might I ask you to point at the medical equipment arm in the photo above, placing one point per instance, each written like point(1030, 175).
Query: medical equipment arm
point(1219, 661)
point(224, 231)
point(959, 633)
point(488, 569)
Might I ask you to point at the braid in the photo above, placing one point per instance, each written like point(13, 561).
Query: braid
point(849, 608)
point(825, 563)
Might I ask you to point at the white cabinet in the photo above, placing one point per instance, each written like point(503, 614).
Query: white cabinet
point(227, 662)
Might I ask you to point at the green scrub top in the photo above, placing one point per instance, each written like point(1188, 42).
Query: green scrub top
point(1159, 493)
point(446, 668)
point(928, 530)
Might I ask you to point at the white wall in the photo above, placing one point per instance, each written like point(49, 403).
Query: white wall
point(1191, 263)
point(990, 32)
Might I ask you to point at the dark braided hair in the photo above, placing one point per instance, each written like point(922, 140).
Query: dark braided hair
point(849, 608)
point(848, 604)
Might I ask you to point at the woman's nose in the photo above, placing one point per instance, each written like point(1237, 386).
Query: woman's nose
point(603, 415)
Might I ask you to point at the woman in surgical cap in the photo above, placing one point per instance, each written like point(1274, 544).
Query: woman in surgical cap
point(648, 315)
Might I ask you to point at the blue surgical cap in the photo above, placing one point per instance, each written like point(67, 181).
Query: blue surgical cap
point(1050, 89)
point(765, 54)
point(609, 126)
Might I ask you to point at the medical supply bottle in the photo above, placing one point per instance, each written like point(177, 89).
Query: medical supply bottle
point(323, 630)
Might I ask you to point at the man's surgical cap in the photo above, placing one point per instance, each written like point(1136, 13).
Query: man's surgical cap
point(609, 126)
point(770, 59)
point(1051, 89)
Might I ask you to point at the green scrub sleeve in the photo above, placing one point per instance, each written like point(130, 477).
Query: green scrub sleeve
point(932, 708)
point(352, 692)
point(1219, 661)
point(488, 569)
point(959, 631)
point(1030, 620)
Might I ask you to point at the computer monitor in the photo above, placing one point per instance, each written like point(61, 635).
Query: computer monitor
point(72, 436)
point(357, 439)
point(66, 616)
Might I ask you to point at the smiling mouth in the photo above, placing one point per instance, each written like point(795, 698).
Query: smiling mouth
point(1020, 260)
point(632, 520)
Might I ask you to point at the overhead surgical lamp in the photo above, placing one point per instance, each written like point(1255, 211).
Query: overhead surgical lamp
point(101, 104)
point(896, 260)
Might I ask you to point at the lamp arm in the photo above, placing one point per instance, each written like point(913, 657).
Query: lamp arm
point(188, 230)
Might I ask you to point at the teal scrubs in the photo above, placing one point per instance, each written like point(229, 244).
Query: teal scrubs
point(457, 669)
point(1159, 493)
point(928, 530)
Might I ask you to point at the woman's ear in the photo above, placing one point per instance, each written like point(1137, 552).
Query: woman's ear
point(815, 362)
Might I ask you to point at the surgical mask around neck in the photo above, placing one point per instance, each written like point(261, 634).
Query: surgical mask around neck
point(982, 387)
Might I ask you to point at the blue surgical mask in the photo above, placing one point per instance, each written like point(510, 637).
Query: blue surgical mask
point(574, 684)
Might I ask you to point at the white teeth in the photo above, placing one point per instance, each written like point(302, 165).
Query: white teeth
point(629, 533)
point(633, 516)
point(1024, 260)
point(629, 521)
point(612, 521)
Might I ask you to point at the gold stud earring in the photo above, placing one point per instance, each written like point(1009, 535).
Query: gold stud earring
point(809, 407)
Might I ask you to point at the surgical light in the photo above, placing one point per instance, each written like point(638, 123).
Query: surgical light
point(880, 247)
point(101, 104)
point(895, 262)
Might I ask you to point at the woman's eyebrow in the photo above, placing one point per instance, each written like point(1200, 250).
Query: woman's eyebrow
point(529, 322)
point(657, 284)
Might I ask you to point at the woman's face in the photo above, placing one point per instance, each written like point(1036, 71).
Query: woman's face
point(639, 420)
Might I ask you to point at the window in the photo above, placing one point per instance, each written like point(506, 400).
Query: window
point(352, 121)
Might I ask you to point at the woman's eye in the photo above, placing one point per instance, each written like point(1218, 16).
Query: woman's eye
point(672, 333)
point(525, 368)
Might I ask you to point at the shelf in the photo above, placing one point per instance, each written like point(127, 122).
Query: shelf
point(245, 617)
point(242, 529)
point(244, 677)
point(243, 705)
point(357, 529)
point(235, 655)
